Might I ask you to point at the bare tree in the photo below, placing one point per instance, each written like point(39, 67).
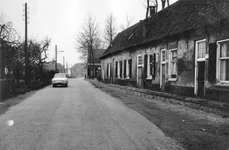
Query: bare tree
point(88, 39)
point(2, 18)
point(37, 52)
point(129, 21)
point(110, 29)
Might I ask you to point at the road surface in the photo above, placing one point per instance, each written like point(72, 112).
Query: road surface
point(79, 117)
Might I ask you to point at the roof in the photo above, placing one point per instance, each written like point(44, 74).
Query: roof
point(179, 17)
point(79, 65)
point(97, 54)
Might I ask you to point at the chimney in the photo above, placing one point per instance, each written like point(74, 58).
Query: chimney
point(152, 10)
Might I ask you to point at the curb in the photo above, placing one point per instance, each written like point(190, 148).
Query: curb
point(196, 100)
point(220, 108)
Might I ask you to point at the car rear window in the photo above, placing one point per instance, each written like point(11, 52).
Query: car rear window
point(60, 75)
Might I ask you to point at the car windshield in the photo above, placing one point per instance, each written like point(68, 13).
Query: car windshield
point(60, 75)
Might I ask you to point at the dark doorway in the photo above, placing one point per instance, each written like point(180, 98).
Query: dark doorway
point(200, 78)
point(163, 77)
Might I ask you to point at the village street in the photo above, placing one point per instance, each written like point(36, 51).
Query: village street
point(80, 116)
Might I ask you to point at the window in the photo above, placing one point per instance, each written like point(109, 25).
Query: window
point(163, 56)
point(201, 50)
point(173, 64)
point(151, 66)
point(223, 60)
point(139, 61)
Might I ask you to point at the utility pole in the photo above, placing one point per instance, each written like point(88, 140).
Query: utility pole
point(1, 48)
point(63, 65)
point(67, 67)
point(26, 51)
point(55, 58)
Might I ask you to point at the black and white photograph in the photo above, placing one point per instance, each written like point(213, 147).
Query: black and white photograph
point(114, 74)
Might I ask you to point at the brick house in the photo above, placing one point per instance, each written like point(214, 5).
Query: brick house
point(183, 49)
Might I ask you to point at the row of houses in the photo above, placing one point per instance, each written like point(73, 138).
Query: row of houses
point(183, 49)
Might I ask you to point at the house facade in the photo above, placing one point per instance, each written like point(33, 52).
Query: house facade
point(183, 49)
point(96, 70)
point(78, 70)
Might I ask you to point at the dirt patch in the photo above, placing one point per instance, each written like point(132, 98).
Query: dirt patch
point(194, 129)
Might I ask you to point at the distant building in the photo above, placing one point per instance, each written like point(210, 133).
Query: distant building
point(97, 63)
point(78, 70)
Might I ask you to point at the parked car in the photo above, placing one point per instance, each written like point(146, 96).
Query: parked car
point(60, 79)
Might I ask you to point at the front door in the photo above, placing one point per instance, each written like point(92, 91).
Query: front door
point(200, 52)
point(163, 77)
point(163, 70)
point(200, 78)
point(139, 71)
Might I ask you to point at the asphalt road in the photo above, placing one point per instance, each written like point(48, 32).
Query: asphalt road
point(79, 117)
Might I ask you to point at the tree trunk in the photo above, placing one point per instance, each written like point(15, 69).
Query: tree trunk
point(93, 67)
point(90, 60)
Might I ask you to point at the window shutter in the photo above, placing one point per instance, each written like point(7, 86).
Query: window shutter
point(125, 68)
point(111, 69)
point(120, 69)
point(145, 65)
point(154, 66)
point(107, 69)
point(116, 69)
point(151, 64)
point(212, 62)
point(130, 71)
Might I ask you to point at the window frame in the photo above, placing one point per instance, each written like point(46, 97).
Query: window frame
point(163, 62)
point(170, 65)
point(139, 65)
point(204, 58)
point(218, 62)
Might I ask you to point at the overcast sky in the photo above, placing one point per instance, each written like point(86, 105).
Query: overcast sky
point(61, 20)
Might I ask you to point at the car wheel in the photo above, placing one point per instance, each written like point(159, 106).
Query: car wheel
point(66, 85)
point(53, 85)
